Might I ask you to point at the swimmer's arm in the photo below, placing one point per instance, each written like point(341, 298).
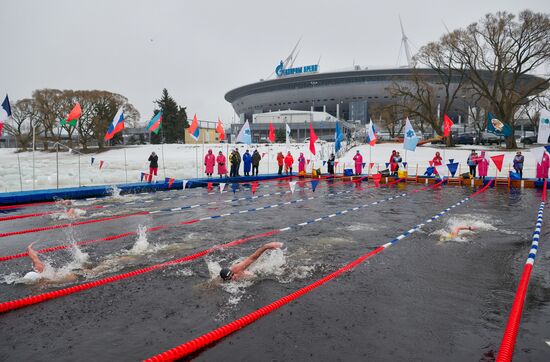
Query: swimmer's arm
point(459, 229)
point(243, 265)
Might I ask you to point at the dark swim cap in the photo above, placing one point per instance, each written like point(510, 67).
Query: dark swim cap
point(226, 274)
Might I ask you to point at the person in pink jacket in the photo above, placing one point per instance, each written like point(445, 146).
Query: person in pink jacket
point(222, 166)
point(301, 163)
point(209, 162)
point(482, 165)
point(358, 163)
point(542, 167)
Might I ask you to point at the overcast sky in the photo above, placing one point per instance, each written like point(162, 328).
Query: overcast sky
point(199, 50)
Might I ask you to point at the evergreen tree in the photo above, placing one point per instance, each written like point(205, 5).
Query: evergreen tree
point(174, 120)
point(280, 135)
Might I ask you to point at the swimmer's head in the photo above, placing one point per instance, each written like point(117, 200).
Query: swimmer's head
point(226, 274)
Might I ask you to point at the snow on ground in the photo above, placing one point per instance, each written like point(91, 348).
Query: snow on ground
point(180, 161)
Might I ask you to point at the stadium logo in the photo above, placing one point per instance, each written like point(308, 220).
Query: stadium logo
point(281, 71)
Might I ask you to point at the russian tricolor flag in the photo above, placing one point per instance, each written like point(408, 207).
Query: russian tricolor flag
point(194, 129)
point(116, 126)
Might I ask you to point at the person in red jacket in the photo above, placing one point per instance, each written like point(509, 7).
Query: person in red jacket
point(437, 159)
point(280, 162)
point(358, 163)
point(393, 166)
point(209, 162)
point(289, 160)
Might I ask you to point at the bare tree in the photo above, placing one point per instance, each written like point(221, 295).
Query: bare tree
point(497, 56)
point(21, 122)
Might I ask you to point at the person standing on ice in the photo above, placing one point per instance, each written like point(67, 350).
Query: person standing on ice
point(255, 162)
point(238, 159)
point(289, 160)
point(153, 165)
point(396, 161)
point(358, 163)
point(436, 161)
point(209, 162)
point(518, 164)
point(247, 160)
point(542, 167)
point(482, 165)
point(301, 164)
point(393, 165)
point(233, 161)
point(472, 163)
point(222, 167)
point(330, 164)
point(280, 162)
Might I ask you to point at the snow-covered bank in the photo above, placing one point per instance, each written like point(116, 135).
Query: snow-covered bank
point(180, 161)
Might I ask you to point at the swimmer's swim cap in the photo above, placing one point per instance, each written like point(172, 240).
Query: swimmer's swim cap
point(226, 274)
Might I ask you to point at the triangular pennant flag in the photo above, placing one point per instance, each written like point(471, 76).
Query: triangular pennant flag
point(538, 153)
point(314, 184)
point(441, 171)
point(404, 164)
point(387, 164)
point(93, 159)
point(431, 163)
point(307, 162)
point(292, 185)
point(371, 164)
point(209, 186)
point(429, 171)
point(101, 164)
point(142, 174)
point(376, 178)
point(170, 183)
point(234, 187)
point(363, 164)
point(452, 167)
point(324, 162)
point(451, 160)
point(498, 160)
point(336, 163)
point(547, 148)
point(185, 183)
point(222, 186)
point(254, 187)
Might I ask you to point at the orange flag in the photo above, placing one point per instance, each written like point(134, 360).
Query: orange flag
point(447, 123)
point(220, 130)
point(271, 133)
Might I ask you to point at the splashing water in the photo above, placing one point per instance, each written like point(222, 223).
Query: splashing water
point(141, 245)
point(465, 220)
point(115, 192)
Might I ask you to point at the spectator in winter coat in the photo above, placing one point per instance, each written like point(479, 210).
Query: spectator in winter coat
point(330, 164)
point(153, 165)
point(222, 167)
point(280, 162)
point(472, 163)
point(437, 160)
point(209, 162)
point(238, 158)
point(247, 160)
point(255, 162)
point(358, 163)
point(301, 163)
point(289, 160)
point(482, 165)
point(393, 166)
point(233, 160)
point(396, 161)
point(518, 164)
point(542, 167)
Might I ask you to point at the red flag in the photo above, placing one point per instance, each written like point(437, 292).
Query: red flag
point(376, 178)
point(371, 164)
point(271, 133)
point(209, 186)
point(447, 123)
point(307, 161)
point(1, 128)
point(336, 163)
point(254, 187)
point(498, 160)
point(220, 130)
point(170, 183)
point(312, 139)
point(431, 163)
point(101, 164)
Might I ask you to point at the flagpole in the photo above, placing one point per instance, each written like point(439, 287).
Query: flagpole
point(20, 177)
point(202, 163)
point(197, 158)
point(126, 164)
point(163, 164)
point(33, 149)
point(78, 145)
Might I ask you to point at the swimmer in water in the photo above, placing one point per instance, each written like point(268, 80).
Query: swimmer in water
point(39, 273)
point(455, 232)
point(238, 271)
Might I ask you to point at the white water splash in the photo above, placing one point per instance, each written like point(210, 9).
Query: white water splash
point(69, 214)
point(141, 245)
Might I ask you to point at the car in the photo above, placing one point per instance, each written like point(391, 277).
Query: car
point(529, 140)
point(488, 138)
point(465, 139)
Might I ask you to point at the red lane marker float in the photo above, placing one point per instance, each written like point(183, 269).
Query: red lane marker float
point(23, 302)
point(62, 226)
point(507, 345)
point(24, 216)
point(9, 207)
point(217, 334)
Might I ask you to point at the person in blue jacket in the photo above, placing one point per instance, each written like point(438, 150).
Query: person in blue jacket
point(247, 160)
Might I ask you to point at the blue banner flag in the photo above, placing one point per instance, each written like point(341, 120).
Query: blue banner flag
point(497, 127)
point(387, 164)
point(324, 162)
point(339, 137)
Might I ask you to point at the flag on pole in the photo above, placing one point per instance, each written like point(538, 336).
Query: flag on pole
point(497, 127)
point(93, 159)
point(498, 160)
point(5, 110)
point(271, 136)
point(220, 130)
point(544, 130)
point(371, 134)
point(194, 129)
point(244, 135)
point(452, 166)
point(447, 124)
point(312, 138)
point(411, 140)
point(1, 127)
point(73, 116)
point(116, 126)
point(371, 164)
point(155, 124)
point(338, 137)
point(324, 162)
point(287, 135)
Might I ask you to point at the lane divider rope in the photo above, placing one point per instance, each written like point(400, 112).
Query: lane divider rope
point(507, 345)
point(30, 300)
point(217, 334)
